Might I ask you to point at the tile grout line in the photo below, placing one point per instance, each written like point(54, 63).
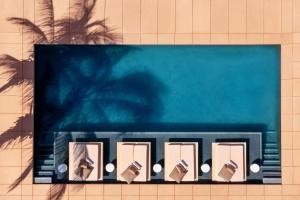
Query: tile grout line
point(175, 22)
point(263, 31)
point(228, 40)
point(181, 33)
point(228, 24)
point(292, 86)
point(281, 31)
point(174, 190)
point(68, 193)
point(139, 191)
point(157, 3)
point(293, 170)
point(192, 21)
point(281, 135)
point(140, 21)
point(210, 21)
point(156, 192)
point(104, 14)
point(122, 22)
point(246, 23)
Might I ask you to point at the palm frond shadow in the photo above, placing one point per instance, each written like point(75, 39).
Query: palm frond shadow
point(136, 95)
point(23, 175)
point(56, 191)
point(79, 30)
point(13, 136)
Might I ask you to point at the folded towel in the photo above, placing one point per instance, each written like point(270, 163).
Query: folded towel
point(131, 172)
point(84, 169)
point(228, 170)
point(179, 171)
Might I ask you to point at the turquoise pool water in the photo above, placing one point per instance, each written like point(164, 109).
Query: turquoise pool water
point(191, 88)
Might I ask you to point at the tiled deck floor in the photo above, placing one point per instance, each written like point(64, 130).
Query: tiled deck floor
point(167, 22)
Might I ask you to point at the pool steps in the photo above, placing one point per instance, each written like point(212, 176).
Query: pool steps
point(271, 168)
point(44, 164)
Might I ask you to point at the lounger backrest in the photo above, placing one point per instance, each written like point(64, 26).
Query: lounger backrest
point(238, 156)
point(141, 156)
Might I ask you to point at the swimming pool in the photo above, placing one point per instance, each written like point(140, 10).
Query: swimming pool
point(158, 88)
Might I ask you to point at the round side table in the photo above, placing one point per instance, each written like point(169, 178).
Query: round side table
point(205, 168)
point(110, 167)
point(254, 168)
point(157, 168)
point(62, 168)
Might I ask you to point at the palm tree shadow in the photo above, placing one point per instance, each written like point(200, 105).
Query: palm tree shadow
point(77, 29)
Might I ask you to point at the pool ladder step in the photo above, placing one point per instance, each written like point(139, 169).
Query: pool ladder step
point(44, 173)
point(44, 166)
point(272, 180)
point(272, 174)
point(270, 151)
point(45, 161)
point(272, 162)
point(42, 179)
point(271, 168)
point(271, 145)
point(271, 156)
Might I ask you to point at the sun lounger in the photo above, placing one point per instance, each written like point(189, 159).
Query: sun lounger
point(181, 161)
point(229, 162)
point(133, 161)
point(85, 161)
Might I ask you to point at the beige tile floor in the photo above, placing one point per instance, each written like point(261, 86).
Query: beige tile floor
point(166, 22)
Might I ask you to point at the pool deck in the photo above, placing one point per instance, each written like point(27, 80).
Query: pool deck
point(157, 139)
point(197, 22)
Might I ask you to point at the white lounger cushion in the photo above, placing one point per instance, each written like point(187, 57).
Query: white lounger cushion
point(222, 154)
point(177, 151)
point(81, 150)
point(128, 152)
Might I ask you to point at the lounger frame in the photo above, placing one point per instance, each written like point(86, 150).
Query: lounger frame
point(100, 160)
point(215, 145)
point(167, 156)
point(148, 167)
